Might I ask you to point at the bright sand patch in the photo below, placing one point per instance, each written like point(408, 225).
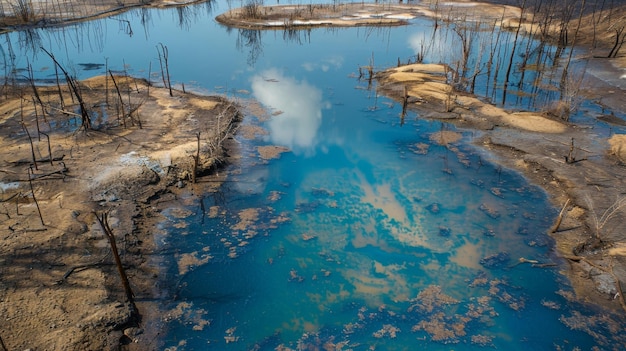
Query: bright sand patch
point(187, 261)
point(618, 249)
point(618, 146)
point(271, 151)
point(445, 137)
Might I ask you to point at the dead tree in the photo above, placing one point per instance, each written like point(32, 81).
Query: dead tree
point(49, 147)
point(4, 348)
point(620, 37)
point(32, 147)
point(571, 52)
point(559, 219)
point(85, 119)
point(163, 60)
point(196, 160)
point(509, 67)
point(30, 182)
point(36, 96)
point(104, 224)
point(121, 105)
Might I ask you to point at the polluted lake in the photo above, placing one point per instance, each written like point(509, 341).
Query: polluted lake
point(362, 204)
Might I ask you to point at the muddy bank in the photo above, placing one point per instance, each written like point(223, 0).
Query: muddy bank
point(138, 156)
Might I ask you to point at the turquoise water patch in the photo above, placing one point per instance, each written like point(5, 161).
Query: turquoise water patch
point(381, 250)
point(386, 240)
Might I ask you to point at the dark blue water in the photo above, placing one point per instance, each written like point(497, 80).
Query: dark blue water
point(368, 233)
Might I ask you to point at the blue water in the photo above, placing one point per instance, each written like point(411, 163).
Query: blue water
point(368, 233)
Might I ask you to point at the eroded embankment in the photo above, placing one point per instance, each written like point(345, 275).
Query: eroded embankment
point(587, 172)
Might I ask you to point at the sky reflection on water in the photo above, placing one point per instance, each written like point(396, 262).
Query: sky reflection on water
point(297, 108)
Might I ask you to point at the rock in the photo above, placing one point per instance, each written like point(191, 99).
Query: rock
point(133, 332)
point(489, 211)
point(495, 260)
point(434, 208)
point(604, 282)
point(444, 231)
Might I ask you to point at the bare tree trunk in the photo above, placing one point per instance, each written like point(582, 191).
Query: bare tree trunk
point(620, 36)
point(119, 95)
point(86, 121)
point(571, 52)
point(104, 224)
point(31, 79)
point(32, 147)
point(508, 70)
point(106, 82)
point(49, 148)
point(30, 182)
point(559, 219)
point(196, 160)
point(165, 54)
point(4, 348)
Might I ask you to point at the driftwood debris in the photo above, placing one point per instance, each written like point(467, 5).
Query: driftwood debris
point(86, 120)
point(80, 268)
point(533, 263)
point(559, 219)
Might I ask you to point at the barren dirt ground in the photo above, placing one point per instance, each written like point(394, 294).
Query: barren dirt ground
point(57, 277)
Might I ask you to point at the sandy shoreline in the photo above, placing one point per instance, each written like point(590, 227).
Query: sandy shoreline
point(82, 309)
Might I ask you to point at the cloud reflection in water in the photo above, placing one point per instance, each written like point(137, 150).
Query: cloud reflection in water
point(301, 106)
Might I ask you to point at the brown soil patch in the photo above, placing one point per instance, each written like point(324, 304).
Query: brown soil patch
point(186, 261)
point(445, 137)
point(271, 151)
